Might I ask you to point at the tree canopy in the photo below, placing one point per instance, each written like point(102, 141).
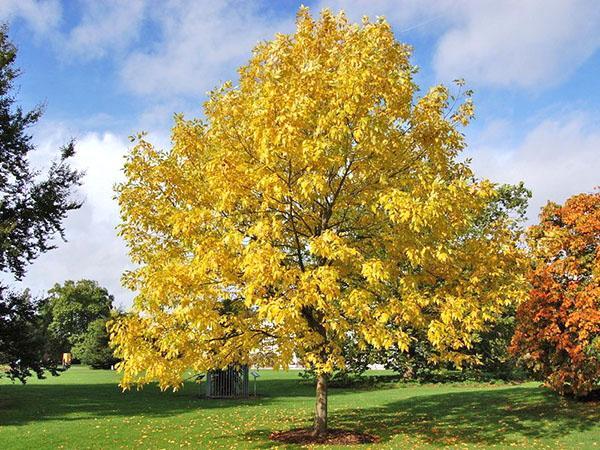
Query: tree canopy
point(320, 197)
point(69, 310)
point(558, 326)
point(32, 206)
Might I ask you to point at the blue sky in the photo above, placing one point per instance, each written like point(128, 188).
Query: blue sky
point(109, 69)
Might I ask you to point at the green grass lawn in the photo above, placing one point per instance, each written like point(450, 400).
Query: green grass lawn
point(84, 408)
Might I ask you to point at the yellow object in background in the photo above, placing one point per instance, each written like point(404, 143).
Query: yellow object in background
point(67, 359)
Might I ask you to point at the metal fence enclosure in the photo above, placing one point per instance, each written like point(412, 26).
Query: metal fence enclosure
point(228, 383)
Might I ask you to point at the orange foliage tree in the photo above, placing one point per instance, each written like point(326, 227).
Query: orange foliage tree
point(558, 326)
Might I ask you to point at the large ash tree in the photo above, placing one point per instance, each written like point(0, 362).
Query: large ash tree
point(320, 198)
point(33, 205)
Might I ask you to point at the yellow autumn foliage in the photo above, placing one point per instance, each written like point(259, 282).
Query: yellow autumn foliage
point(319, 197)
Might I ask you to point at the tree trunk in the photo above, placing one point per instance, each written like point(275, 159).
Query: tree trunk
point(320, 427)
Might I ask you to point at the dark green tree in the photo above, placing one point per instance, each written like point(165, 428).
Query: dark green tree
point(22, 337)
point(33, 205)
point(93, 348)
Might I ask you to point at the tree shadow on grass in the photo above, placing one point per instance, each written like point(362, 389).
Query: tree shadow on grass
point(301, 388)
point(22, 404)
point(475, 417)
point(483, 417)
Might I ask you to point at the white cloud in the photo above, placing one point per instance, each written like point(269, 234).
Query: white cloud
point(203, 42)
point(192, 45)
point(558, 158)
point(93, 250)
point(517, 43)
point(41, 15)
point(407, 15)
point(500, 43)
point(105, 25)
point(188, 46)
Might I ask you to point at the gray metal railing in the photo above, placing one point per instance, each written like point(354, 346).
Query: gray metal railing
point(228, 383)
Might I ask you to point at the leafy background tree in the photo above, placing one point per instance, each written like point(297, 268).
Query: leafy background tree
point(33, 205)
point(93, 347)
point(73, 312)
point(23, 339)
point(322, 197)
point(558, 325)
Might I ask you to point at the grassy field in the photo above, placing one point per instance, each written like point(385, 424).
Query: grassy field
point(84, 408)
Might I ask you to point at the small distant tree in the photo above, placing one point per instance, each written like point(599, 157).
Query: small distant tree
point(70, 308)
point(558, 326)
point(93, 347)
point(33, 204)
point(320, 198)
